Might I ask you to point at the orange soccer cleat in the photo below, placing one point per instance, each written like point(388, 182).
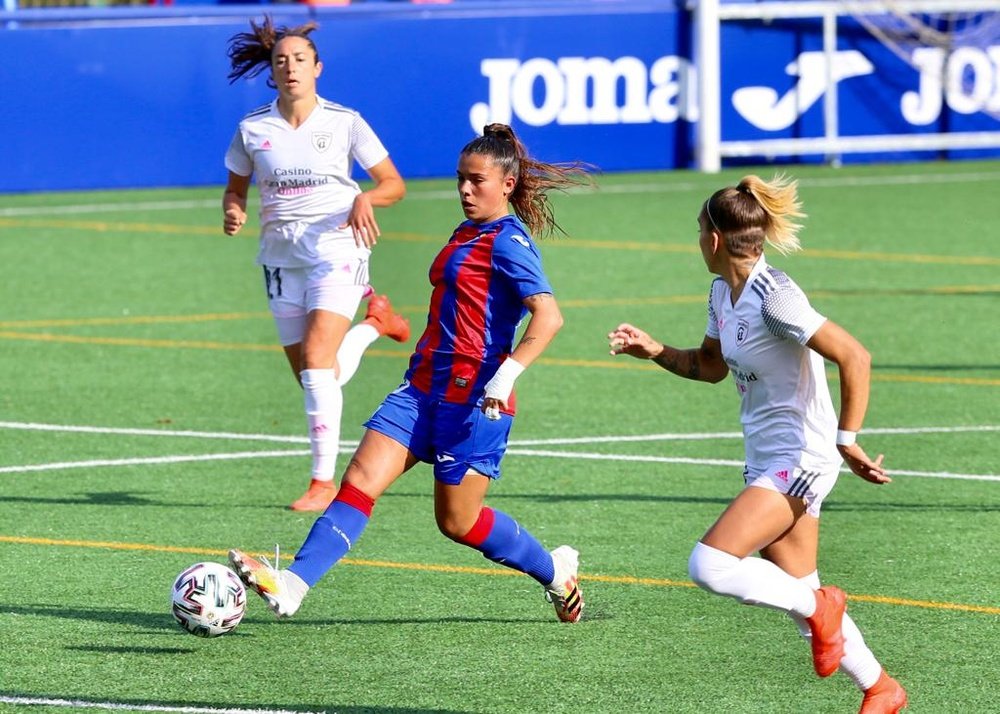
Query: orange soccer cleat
point(387, 321)
point(282, 590)
point(317, 497)
point(827, 635)
point(886, 696)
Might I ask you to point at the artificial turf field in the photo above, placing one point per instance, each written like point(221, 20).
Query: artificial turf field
point(148, 420)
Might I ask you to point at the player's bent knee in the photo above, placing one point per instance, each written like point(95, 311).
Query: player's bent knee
point(710, 568)
point(454, 527)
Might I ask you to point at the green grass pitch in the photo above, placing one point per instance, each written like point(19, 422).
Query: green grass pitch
point(148, 420)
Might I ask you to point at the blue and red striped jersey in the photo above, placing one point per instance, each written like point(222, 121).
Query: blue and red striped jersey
point(480, 279)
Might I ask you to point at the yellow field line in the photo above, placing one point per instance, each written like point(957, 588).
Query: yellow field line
point(112, 226)
point(620, 364)
point(420, 309)
point(564, 242)
point(134, 320)
point(436, 568)
point(137, 342)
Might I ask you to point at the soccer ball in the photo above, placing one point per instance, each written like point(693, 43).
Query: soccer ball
point(208, 600)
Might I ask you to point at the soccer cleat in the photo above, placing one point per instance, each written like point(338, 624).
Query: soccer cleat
point(277, 587)
point(564, 593)
point(387, 321)
point(886, 696)
point(827, 635)
point(317, 497)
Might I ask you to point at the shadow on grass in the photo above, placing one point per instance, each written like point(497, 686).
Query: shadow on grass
point(110, 498)
point(422, 621)
point(108, 649)
point(123, 498)
point(154, 621)
point(911, 507)
point(160, 622)
point(63, 699)
point(578, 497)
point(978, 367)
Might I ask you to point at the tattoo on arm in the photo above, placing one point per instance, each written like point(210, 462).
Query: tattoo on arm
point(527, 340)
point(683, 363)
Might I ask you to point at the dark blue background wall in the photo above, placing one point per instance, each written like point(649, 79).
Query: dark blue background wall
point(140, 97)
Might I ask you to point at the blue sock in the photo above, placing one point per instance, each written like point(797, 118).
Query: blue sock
point(332, 535)
point(507, 543)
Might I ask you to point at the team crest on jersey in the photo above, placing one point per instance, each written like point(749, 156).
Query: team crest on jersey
point(321, 140)
point(742, 330)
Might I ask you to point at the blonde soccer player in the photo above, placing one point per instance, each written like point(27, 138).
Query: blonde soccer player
point(762, 330)
point(317, 227)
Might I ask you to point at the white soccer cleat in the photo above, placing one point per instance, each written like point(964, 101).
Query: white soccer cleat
point(564, 592)
point(282, 590)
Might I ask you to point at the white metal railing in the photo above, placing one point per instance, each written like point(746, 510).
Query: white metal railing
point(710, 148)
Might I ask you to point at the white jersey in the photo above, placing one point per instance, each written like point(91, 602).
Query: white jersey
point(786, 411)
point(304, 178)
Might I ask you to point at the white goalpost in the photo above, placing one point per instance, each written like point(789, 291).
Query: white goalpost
point(948, 40)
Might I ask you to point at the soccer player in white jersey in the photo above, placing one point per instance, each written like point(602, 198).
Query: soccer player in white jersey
point(317, 227)
point(762, 330)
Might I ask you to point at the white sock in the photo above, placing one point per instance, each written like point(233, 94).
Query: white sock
point(324, 402)
point(753, 581)
point(356, 341)
point(859, 662)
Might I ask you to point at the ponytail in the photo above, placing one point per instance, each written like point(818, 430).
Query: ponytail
point(754, 211)
point(533, 179)
point(250, 52)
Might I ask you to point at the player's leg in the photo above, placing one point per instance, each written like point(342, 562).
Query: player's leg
point(333, 291)
point(468, 450)
point(795, 553)
point(288, 299)
point(324, 402)
point(377, 462)
point(720, 563)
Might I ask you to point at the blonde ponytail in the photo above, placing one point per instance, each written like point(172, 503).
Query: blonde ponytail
point(755, 211)
point(780, 200)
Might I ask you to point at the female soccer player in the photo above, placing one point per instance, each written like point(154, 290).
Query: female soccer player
point(455, 406)
point(317, 227)
point(762, 329)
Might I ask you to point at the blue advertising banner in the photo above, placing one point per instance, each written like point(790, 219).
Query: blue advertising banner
point(774, 78)
point(141, 99)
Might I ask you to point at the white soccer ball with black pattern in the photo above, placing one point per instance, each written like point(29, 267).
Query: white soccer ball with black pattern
point(208, 600)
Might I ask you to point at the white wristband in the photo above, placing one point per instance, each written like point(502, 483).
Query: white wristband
point(846, 438)
point(502, 383)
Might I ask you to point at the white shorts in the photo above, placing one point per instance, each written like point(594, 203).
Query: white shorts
point(292, 293)
point(810, 486)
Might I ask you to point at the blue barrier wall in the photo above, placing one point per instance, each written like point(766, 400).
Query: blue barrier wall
point(140, 97)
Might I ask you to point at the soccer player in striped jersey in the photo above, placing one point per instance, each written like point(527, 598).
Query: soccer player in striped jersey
point(456, 404)
point(762, 329)
point(317, 228)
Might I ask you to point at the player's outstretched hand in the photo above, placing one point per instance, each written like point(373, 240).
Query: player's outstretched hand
point(630, 340)
point(362, 222)
point(863, 466)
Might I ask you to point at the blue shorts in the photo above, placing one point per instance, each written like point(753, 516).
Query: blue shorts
point(453, 437)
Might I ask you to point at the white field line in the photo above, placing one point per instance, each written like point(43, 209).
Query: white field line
point(151, 461)
point(66, 428)
point(691, 436)
point(442, 194)
point(122, 706)
point(696, 436)
point(625, 458)
point(516, 448)
point(620, 458)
